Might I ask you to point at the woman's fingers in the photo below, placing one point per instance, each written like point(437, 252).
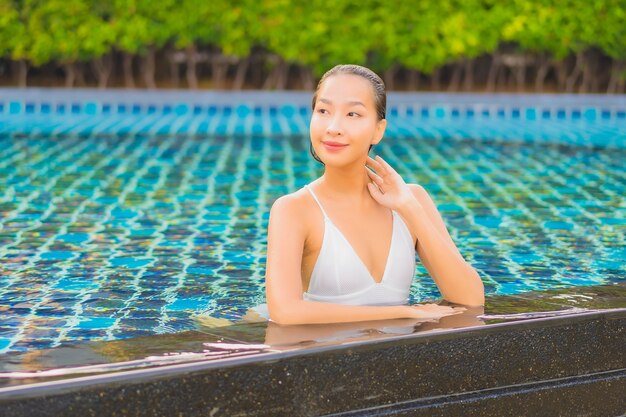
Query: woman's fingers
point(446, 310)
point(382, 168)
point(378, 167)
point(384, 163)
point(375, 177)
point(374, 191)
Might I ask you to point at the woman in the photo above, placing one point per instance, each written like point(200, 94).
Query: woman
point(349, 237)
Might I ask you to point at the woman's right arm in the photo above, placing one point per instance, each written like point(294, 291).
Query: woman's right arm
point(283, 281)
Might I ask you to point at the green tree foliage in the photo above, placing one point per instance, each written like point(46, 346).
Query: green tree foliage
point(240, 26)
point(317, 34)
point(139, 24)
point(418, 35)
point(67, 31)
point(608, 29)
point(13, 34)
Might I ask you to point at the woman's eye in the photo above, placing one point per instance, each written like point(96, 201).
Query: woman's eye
point(353, 114)
point(322, 111)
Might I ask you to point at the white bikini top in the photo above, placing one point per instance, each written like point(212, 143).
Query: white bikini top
point(339, 275)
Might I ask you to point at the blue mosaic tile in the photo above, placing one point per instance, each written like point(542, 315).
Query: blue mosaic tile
point(91, 108)
point(183, 304)
point(95, 323)
point(181, 109)
point(130, 262)
point(159, 216)
point(15, 107)
point(58, 255)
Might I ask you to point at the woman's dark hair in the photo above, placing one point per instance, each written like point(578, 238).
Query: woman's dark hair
point(380, 96)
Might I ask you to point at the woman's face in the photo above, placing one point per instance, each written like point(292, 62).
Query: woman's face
point(344, 122)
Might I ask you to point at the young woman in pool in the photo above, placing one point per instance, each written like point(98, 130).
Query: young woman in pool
point(342, 248)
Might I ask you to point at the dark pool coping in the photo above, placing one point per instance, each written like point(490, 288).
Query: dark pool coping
point(577, 357)
point(534, 362)
point(68, 385)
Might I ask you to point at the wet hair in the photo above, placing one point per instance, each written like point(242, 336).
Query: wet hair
point(380, 96)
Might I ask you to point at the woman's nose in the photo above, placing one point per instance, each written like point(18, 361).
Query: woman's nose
point(334, 127)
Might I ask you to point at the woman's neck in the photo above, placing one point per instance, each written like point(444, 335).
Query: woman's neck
point(347, 183)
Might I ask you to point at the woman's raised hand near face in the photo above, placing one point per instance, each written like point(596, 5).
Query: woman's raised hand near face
point(387, 186)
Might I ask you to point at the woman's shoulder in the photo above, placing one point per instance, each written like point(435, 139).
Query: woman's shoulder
point(291, 213)
point(295, 203)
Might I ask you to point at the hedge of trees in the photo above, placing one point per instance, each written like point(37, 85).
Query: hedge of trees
point(562, 45)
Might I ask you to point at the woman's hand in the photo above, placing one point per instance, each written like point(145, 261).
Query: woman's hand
point(433, 311)
point(387, 186)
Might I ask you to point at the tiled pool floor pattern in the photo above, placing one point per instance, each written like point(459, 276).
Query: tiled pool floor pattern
point(113, 236)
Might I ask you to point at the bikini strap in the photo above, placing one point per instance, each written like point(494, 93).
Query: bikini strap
point(316, 200)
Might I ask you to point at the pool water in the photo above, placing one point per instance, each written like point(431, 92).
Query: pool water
point(114, 236)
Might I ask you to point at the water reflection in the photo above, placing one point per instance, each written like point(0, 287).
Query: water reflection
point(256, 339)
point(227, 342)
point(294, 336)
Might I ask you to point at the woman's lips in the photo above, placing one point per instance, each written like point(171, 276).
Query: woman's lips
point(333, 146)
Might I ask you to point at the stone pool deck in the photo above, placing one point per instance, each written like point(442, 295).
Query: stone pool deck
point(552, 353)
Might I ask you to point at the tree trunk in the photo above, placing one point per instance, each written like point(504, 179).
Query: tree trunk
point(256, 76)
point(70, 74)
point(561, 74)
point(22, 72)
point(283, 75)
point(242, 70)
point(506, 75)
point(598, 74)
point(174, 74)
point(575, 74)
point(80, 74)
point(192, 75)
point(435, 79)
point(127, 65)
point(616, 82)
point(102, 67)
point(520, 77)
point(468, 73)
point(494, 68)
point(218, 68)
point(389, 76)
point(455, 80)
point(542, 72)
point(306, 75)
point(149, 68)
point(414, 79)
point(271, 80)
point(590, 74)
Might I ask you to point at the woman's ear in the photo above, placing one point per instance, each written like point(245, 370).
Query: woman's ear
point(381, 125)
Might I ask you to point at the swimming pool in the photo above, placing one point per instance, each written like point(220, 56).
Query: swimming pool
point(121, 220)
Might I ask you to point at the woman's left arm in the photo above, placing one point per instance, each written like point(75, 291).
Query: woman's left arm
point(457, 280)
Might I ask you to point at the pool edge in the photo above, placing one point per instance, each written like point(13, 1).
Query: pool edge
point(592, 345)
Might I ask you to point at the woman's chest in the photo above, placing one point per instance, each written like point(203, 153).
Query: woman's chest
point(364, 241)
